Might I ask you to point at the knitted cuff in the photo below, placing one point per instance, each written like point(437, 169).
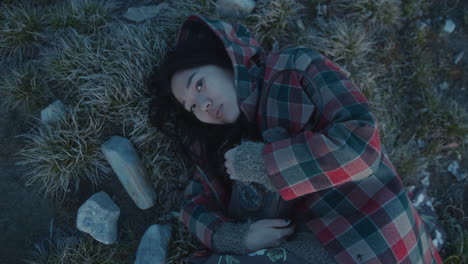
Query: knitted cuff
point(229, 238)
point(306, 246)
point(248, 164)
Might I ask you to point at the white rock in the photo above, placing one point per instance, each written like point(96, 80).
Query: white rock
point(458, 57)
point(419, 199)
point(300, 24)
point(98, 217)
point(454, 168)
point(444, 86)
point(438, 240)
point(449, 26)
point(234, 8)
point(126, 164)
point(52, 113)
point(421, 143)
point(139, 14)
point(426, 181)
point(153, 245)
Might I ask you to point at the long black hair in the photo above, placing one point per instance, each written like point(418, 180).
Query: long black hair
point(203, 143)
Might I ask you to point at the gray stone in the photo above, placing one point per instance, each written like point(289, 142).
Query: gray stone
point(458, 57)
point(421, 143)
point(300, 24)
point(98, 217)
point(444, 86)
point(449, 26)
point(454, 168)
point(52, 113)
point(153, 245)
point(426, 181)
point(234, 8)
point(422, 25)
point(126, 164)
point(139, 14)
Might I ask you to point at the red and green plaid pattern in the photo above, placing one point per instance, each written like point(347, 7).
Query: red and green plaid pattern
point(352, 197)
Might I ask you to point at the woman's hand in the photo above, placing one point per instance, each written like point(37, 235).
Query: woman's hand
point(229, 163)
point(267, 233)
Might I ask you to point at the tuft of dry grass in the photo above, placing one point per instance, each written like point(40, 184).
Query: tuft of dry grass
point(85, 16)
point(25, 89)
point(273, 21)
point(182, 244)
point(381, 15)
point(345, 42)
point(21, 31)
point(58, 158)
point(72, 249)
point(74, 59)
point(108, 73)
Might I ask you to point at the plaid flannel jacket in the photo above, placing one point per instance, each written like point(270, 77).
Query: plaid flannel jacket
point(348, 190)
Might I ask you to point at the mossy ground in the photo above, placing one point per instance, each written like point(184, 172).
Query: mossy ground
point(395, 50)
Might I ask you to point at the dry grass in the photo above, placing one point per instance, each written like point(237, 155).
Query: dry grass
point(21, 31)
point(108, 72)
point(344, 41)
point(182, 245)
point(274, 21)
point(382, 15)
point(72, 249)
point(25, 89)
point(85, 16)
point(58, 158)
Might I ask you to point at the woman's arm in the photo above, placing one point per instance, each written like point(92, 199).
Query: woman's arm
point(202, 215)
point(201, 210)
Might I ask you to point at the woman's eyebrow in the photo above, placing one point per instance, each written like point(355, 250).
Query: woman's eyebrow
point(190, 79)
point(188, 85)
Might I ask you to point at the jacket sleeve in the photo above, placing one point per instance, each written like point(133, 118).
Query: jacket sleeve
point(201, 211)
point(343, 146)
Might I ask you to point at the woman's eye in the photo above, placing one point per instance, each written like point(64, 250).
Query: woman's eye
point(192, 109)
point(199, 84)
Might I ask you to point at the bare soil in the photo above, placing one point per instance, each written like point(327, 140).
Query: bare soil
point(24, 216)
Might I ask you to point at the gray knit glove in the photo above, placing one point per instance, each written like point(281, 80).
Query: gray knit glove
point(229, 237)
point(248, 161)
point(306, 246)
point(248, 164)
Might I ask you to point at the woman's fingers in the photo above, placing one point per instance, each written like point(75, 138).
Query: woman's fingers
point(287, 231)
point(278, 223)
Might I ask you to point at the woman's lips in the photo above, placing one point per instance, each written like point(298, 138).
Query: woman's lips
point(219, 112)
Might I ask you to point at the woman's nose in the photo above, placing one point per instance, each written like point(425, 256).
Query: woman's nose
point(204, 103)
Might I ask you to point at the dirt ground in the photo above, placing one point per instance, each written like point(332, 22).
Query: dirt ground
point(24, 216)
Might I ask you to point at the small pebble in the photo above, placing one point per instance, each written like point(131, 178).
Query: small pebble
point(458, 57)
point(444, 86)
point(421, 25)
point(300, 24)
point(235, 8)
point(454, 168)
point(421, 143)
point(425, 181)
point(449, 26)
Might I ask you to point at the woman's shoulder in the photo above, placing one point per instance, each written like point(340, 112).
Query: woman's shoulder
point(293, 57)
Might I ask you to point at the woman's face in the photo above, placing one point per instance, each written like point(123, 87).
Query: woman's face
point(207, 91)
